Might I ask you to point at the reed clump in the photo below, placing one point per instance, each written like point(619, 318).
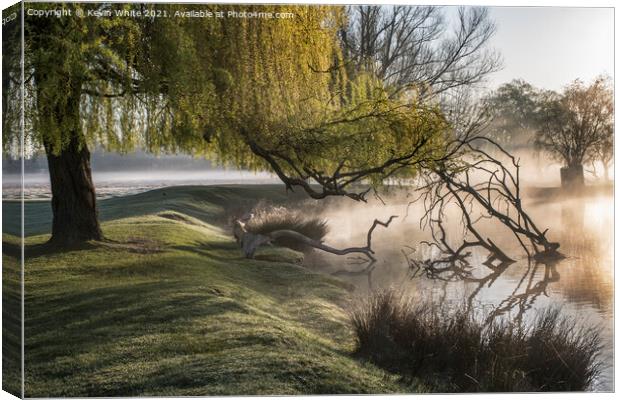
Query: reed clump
point(452, 351)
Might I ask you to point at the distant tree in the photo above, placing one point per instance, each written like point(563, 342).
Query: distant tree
point(575, 124)
point(513, 109)
point(604, 151)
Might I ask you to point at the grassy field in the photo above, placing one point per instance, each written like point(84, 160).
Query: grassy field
point(170, 307)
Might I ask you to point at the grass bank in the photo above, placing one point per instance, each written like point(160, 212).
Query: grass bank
point(170, 307)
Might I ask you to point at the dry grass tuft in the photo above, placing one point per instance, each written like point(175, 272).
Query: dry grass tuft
point(267, 219)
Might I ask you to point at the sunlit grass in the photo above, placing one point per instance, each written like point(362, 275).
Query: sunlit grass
point(169, 306)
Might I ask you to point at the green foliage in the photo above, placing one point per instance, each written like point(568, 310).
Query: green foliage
point(514, 108)
point(118, 82)
point(293, 97)
point(211, 86)
point(66, 58)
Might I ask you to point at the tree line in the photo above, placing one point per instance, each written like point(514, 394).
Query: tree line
point(574, 126)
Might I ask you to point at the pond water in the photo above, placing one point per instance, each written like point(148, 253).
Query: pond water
point(581, 284)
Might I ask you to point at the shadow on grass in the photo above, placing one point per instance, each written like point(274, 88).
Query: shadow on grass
point(145, 338)
point(43, 249)
point(33, 251)
point(11, 326)
point(66, 323)
point(219, 251)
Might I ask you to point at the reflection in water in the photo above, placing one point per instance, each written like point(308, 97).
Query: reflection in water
point(581, 284)
point(366, 271)
point(527, 291)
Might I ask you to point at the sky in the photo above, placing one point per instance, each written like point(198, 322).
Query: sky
point(550, 47)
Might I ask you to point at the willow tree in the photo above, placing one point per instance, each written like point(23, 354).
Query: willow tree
point(327, 117)
point(101, 81)
point(160, 84)
point(293, 108)
point(11, 75)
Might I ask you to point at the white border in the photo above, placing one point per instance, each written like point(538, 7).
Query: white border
point(508, 3)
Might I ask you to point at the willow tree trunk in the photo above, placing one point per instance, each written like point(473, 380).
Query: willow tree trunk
point(74, 205)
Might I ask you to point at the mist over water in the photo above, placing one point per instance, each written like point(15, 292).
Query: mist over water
point(122, 174)
point(113, 183)
point(581, 284)
point(118, 175)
